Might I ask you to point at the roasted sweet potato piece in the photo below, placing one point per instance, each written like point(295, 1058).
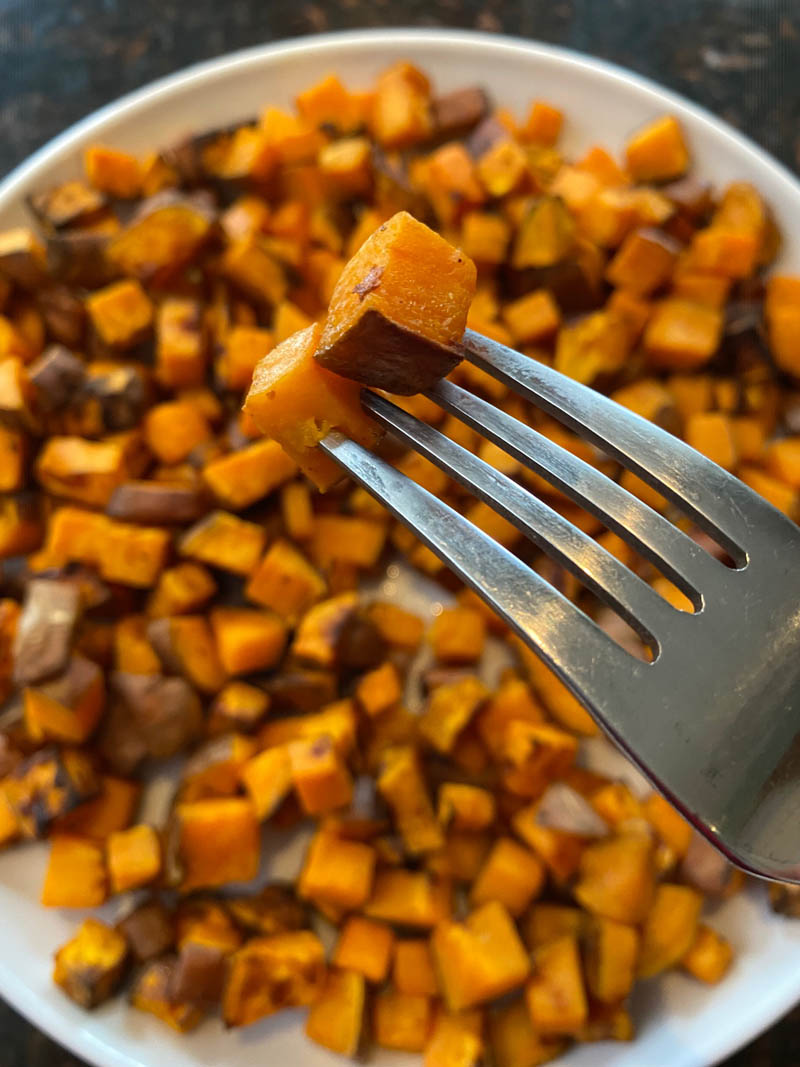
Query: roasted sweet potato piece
point(400, 114)
point(379, 689)
point(532, 755)
point(249, 264)
point(225, 541)
point(152, 992)
point(449, 709)
point(401, 1020)
point(214, 769)
point(267, 778)
point(238, 706)
point(204, 919)
point(319, 775)
point(617, 878)
point(68, 707)
point(515, 1043)
point(409, 898)
point(657, 152)
point(113, 171)
point(242, 349)
point(375, 333)
point(76, 874)
point(402, 785)
point(559, 850)
point(364, 946)
point(218, 841)
point(285, 582)
point(87, 471)
point(709, 957)
point(199, 974)
point(21, 526)
point(122, 314)
point(133, 555)
point(547, 922)
point(297, 402)
point(546, 237)
point(111, 810)
point(512, 875)
point(180, 343)
point(133, 857)
point(240, 478)
point(91, 965)
point(669, 929)
point(22, 257)
point(337, 872)
point(247, 640)
point(457, 635)
point(47, 785)
point(399, 628)
point(166, 233)
point(337, 720)
point(555, 995)
point(480, 959)
point(413, 969)
point(272, 973)
point(611, 952)
point(335, 1020)
point(187, 646)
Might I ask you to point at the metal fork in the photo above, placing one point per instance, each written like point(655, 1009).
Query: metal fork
point(713, 720)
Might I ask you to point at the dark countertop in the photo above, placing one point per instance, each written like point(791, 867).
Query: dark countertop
point(64, 58)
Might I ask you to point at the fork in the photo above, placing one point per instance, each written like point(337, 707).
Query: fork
point(713, 719)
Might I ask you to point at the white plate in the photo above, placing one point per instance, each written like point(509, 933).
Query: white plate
point(681, 1023)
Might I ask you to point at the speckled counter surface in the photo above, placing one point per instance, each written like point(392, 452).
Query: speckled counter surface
point(60, 59)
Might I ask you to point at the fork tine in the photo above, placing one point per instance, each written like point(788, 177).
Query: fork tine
point(680, 558)
point(638, 603)
point(584, 657)
point(714, 499)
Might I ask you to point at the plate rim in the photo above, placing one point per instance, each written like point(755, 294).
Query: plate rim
point(39, 1011)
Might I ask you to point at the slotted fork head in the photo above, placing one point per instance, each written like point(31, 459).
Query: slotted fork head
point(713, 719)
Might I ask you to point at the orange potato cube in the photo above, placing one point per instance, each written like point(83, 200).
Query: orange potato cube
point(777, 492)
point(249, 264)
point(682, 335)
point(379, 689)
point(347, 539)
point(268, 974)
point(543, 124)
point(122, 313)
point(133, 555)
point(783, 460)
point(180, 344)
point(337, 872)
point(711, 433)
point(366, 947)
point(401, 1020)
point(512, 875)
point(555, 995)
point(658, 152)
point(413, 970)
point(297, 402)
point(248, 640)
point(336, 1017)
point(241, 478)
point(267, 779)
point(533, 318)
point(617, 878)
point(173, 429)
point(321, 778)
point(644, 262)
point(408, 898)
point(400, 115)
point(87, 471)
point(515, 1043)
point(76, 873)
point(225, 541)
point(465, 807)
point(346, 166)
point(479, 959)
point(727, 253)
point(485, 237)
point(611, 952)
point(285, 582)
point(709, 957)
point(449, 710)
point(218, 842)
point(242, 349)
point(398, 308)
point(112, 171)
point(669, 929)
point(133, 857)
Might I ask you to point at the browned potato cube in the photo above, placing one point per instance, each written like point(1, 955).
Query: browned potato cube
point(90, 966)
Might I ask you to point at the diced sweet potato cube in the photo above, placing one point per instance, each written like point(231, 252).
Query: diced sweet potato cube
point(267, 778)
point(337, 720)
point(457, 635)
point(546, 236)
point(408, 898)
point(296, 401)
point(479, 959)
point(559, 850)
point(215, 768)
point(122, 313)
point(682, 335)
point(242, 349)
point(777, 492)
point(68, 707)
point(296, 509)
point(398, 307)
point(285, 582)
point(76, 874)
point(181, 589)
point(247, 640)
point(337, 872)
point(711, 433)
point(533, 755)
point(133, 555)
point(617, 878)
point(87, 471)
point(347, 539)
point(512, 875)
point(555, 994)
point(456, 1040)
point(249, 265)
point(336, 1018)
point(512, 701)
point(402, 785)
point(225, 541)
point(271, 973)
point(657, 152)
point(610, 959)
point(400, 115)
point(515, 1043)
point(398, 627)
point(113, 171)
point(413, 970)
point(451, 182)
point(152, 992)
point(401, 1020)
point(449, 710)
point(783, 460)
point(173, 429)
point(241, 478)
point(111, 810)
point(133, 652)
point(644, 262)
point(134, 858)
point(669, 928)
point(364, 946)
point(238, 706)
point(90, 966)
point(597, 344)
point(709, 957)
point(218, 842)
point(547, 922)
point(533, 318)
point(320, 777)
point(379, 689)
point(503, 168)
point(542, 125)
point(465, 807)
point(485, 237)
point(346, 166)
point(186, 646)
point(180, 344)
point(164, 235)
point(670, 826)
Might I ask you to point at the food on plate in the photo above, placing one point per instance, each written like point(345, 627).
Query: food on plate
point(182, 572)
